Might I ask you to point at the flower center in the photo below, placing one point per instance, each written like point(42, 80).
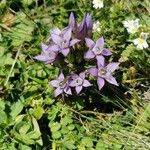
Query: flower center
point(102, 72)
point(62, 84)
point(78, 81)
point(97, 50)
point(63, 43)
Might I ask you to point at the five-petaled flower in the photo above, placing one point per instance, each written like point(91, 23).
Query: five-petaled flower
point(61, 85)
point(48, 54)
point(103, 72)
point(141, 41)
point(79, 81)
point(132, 26)
point(96, 49)
point(98, 4)
point(62, 40)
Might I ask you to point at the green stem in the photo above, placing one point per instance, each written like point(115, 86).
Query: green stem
point(12, 67)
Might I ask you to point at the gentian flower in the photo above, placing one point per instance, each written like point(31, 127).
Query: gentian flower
point(61, 85)
point(48, 54)
point(132, 26)
point(141, 41)
point(96, 49)
point(103, 72)
point(98, 4)
point(79, 82)
point(62, 40)
point(84, 29)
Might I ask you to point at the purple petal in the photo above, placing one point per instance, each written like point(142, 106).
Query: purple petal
point(54, 48)
point(54, 83)
point(100, 61)
point(90, 43)
point(61, 76)
point(112, 66)
point(41, 57)
point(58, 91)
point(100, 83)
point(72, 21)
point(93, 71)
point(82, 75)
point(44, 47)
point(89, 55)
point(72, 83)
point(89, 21)
point(68, 91)
point(86, 83)
point(55, 31)
point(111, 80)
point(74, 41)
point(100, 42)
point(67, 34)
point(56, 38)
point(78, 89)
point(65, 51)
point(74, 76)
point(106, 52)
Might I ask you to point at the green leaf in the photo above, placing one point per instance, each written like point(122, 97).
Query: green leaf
point(87, 142)
point(55, 126)
point(38, 112)
point(56, 135)
point(16, 108)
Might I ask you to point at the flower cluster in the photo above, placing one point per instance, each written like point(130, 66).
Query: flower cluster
point(97, 4)
point(74, 46)
point(132, 27)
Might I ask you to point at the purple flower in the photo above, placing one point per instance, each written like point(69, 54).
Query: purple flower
point(96, 49)
point(61, 85)
point(85, 27)
point(103, 72)
point(79, 82)
point(48, 54)
point(62, 40)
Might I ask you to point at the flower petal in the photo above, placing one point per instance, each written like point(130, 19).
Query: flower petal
point(78, 89)
point(86, 83)
point(90, 43)
point(57, 39)
point(106, 52)
point(61, 76)
point(93, 71)
point(112, 66)
point(67, 34)
point(82, 75)
point(54, 48)
point(111, 80)
point(54, 83)
point(74, 41)
point(100, 61)
point(72, 21)
point(100, 42)
point(58, 91)
point(68, 91)
point(44, 47)
point(100, 83)
point(65, 51)
point(72, 83)
point(41, 57)
point(89, 55)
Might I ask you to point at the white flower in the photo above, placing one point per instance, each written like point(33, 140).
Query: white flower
point(131, 25)
point(96, 26)
point(141, 41)
point(98, 4)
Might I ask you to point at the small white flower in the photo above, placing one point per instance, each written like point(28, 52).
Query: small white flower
point(98, 4)
point(131, 25)
point(96, 26)
point(141, 41)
